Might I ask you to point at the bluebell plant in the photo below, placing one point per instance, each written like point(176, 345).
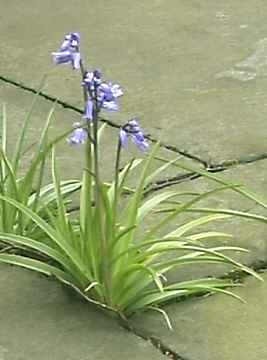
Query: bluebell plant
point(102, 255)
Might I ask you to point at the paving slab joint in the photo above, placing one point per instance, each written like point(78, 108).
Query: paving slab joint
point(236, 276)
point(259, 266)
point(212, 168)
point(165, 350)
point(156, 342)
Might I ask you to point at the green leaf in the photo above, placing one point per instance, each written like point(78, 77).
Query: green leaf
point(35, 265)
point(18, 148)
point(181, 230)
point(165, 315)
point(180, 209)
point(62, 214)
point(211, 282)
point(208, 175)
point(150, 204)
point(215, 251)
point(44, 249)
point(48, 195)
point(134, 202)
point(122, 177)
point(149, 179)
point(153, 299)
point(54, 235)
point(42, 145)
point(207, 235)
point(230, 212)
point(3, 140)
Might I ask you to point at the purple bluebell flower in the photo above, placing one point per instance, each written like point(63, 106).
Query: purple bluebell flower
point(92, 79)
point(139, 140)
point(62, 57)
point(108, 94)
point(123, 137)
point(76, 60)
point(70, 40)
point(78, 136)
point(111, 106)
point(67, 57)
point(134, 125)
point(75, 39)
point(97, 75)
point(88, 112)
point(69, 51)
point(133, 130)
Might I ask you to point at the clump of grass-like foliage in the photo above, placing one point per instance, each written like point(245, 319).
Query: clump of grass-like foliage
point(101, 253)
point(26, 184)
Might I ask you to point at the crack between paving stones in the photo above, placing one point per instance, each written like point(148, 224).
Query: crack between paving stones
point(155, 341)
point(212, 168)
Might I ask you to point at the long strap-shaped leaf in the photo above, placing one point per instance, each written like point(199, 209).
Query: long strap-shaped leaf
point(35, 265)
point(134, 203)
point(48, 195)
point(216, 252)
point(150, 204)
point(208, 175)
point(180, 209)
point(3, 140)
point(238, 213)
point(122, 177)
point(181, 230)
point(130, 213)
point(135, 286)
point(149, 179)
point(18, 148)
point(51, 232)
point(36, 245)
point(157, 298)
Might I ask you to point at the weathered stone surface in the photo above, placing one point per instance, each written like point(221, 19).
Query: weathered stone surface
point(217, 327)
point(170, 60)
point(39, 321)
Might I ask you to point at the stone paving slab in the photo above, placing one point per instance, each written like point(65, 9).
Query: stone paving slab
point(169, 59)
point(39, 321)
point(217, 327)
